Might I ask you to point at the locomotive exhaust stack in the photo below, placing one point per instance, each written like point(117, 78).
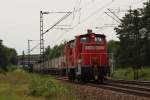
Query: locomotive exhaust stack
point(89, 31)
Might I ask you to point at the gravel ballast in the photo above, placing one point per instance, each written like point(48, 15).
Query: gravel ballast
point(84, 92)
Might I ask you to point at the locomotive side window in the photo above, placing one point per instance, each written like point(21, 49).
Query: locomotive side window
point(84, 39)
point(72, 45)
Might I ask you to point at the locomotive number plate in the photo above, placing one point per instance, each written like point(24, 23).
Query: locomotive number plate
point(94, 47)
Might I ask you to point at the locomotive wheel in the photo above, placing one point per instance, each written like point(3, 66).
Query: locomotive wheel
point(101, 79)
point(71, 74)
point(78, 78)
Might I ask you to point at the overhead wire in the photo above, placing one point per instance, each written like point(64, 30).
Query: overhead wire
point(77, 6)
point(65, 16)
point(113, 18)
point(91, 15)
point(83, 21)
point(75, 9)
point(35, 47)
point(119, 20)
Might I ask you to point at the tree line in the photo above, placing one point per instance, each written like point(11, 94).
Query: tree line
point(8, 57)
point(56, 51)
point(133, 47)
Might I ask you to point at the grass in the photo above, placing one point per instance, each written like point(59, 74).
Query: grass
point(20, 85)
point(128, 74)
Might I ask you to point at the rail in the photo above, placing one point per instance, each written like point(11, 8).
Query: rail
point(118, 86)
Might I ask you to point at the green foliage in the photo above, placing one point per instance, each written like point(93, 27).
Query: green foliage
point(54, 52)
point(12, 68)
point(8, 56)
point(128, 74)
point(134, 35)
point(7, 93)
point(12, 85)
point(20, 85)
point(48, 88)
point(144, 74)
point(113, 48)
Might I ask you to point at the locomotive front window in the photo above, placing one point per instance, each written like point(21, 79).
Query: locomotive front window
point(84, 39)
point(98, 40)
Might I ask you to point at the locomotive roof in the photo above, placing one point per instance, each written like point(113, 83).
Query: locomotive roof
point(89, 32)
point(100, 35)
point(70, 41)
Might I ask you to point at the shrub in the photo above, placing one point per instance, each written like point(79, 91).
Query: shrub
point(128, 74)
point(48, 88)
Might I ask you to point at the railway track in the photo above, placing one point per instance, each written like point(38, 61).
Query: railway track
point(139, 83)
point(144, 92)
point(128, 87)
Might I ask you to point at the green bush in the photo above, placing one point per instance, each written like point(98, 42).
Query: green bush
point(128, 74)
point(8, 93)
point(12, 68)
point(21, 85)
point(49, 88)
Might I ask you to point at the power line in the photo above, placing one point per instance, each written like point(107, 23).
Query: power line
point(34, 47)
point(91, 15)
point(112, 17)
point(79, 11)
point(114, 14)
point(65, 16)
point(42, 51)
point(94, 13)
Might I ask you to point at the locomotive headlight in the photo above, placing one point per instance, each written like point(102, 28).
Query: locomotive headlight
point(93, 36)
point(79, 61)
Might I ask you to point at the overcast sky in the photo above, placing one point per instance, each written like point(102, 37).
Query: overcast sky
point(19, 19)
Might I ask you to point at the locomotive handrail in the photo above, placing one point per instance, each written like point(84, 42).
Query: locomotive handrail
point(95, 53)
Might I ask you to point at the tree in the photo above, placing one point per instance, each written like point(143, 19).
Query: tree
point(130, 39)
point(54, 52)
point(48, 52)
point(134, 35)
point(8, 56)
point(146, 29)
point(23, 58)
point(113, 48)
point(12, 56)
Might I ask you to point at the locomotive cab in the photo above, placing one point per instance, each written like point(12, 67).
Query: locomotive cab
point(91, 56)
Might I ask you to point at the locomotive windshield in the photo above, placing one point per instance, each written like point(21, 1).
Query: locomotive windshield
point(84, 39)
point(99, 40)
point(92, 38)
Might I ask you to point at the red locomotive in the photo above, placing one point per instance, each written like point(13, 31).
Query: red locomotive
point(85, 58)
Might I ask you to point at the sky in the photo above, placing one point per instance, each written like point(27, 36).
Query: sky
point(20, 20)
